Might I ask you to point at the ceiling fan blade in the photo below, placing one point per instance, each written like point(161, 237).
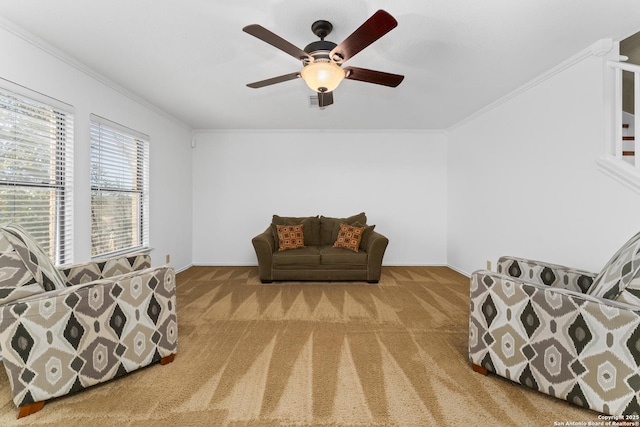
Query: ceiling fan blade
point(375, 27)
point(276, 41)
point(324, 99)
point(372, 76)
point(274, 80)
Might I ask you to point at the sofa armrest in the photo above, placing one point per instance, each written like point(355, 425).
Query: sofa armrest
point(77, 274)
point(79, 336)
point(264, 245)
point(544, 273)
point(576, 347)
point(375, 246)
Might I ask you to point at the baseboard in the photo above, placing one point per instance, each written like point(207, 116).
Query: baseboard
point(180, 270)
point(223, 264)
point(413, 264)
point(457, 270)
point(215, 264)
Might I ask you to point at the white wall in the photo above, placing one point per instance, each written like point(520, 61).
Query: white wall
point(26, 63)
point(242, 178)
point(523, 180)
point(520, 179)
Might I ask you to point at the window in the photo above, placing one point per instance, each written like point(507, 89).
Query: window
point(622, 99)
point(119, 188)
point(36, 158)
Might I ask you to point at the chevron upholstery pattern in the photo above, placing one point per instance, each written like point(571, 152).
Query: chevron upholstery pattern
point(110, 318)
point(540, 324)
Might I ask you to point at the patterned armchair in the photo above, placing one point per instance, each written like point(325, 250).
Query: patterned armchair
point(64, 330)
point(568, 333)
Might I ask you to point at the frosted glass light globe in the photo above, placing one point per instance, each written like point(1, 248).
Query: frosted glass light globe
point(322, 75)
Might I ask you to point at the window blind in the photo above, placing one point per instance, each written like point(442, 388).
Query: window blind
point(36, 174)
point(119, 188)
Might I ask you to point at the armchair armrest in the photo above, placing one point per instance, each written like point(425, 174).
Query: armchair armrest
point(576, 347)
point(77, 274)
point(544, 273)
point(375, 246)
point(264, 245)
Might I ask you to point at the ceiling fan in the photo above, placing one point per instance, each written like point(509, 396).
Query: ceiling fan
point(322, 60)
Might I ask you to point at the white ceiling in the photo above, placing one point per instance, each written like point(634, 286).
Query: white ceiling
point(191, 58)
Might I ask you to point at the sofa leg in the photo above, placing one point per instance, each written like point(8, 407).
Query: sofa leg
point(167, 359)
point(29, 409)
point(479, 369)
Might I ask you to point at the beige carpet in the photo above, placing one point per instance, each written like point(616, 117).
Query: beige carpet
point(311, 354)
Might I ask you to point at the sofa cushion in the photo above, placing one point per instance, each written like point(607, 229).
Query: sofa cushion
point(34, 258)
point(290, 237)
point(349, 237)
point(329, 227)
point(340, 256)
point(618, 273)
point(309, 255)
point(310, 228)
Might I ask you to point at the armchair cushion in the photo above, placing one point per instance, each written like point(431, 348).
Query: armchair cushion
point(618, 273)
point(16, 281)
point(631, 294)
point(34, 258)
point(24, 269)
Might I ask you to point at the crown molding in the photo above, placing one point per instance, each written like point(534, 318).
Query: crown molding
point(324, 131)
point(69, 60)
point(599, 49)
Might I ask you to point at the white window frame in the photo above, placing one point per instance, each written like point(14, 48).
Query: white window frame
point(33, 121)
point(119, 167)
point(613, 162)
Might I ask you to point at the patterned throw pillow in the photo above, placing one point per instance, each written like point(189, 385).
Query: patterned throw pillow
point(290, 237)
point(365, 235)
point(349, 237)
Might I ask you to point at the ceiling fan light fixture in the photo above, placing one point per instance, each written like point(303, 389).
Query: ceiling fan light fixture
point(322, 75)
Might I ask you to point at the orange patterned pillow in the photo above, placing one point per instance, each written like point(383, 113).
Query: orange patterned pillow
point(290, 237)
point(349, 237)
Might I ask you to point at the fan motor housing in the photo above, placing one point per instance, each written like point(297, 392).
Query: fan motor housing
point(320, 49)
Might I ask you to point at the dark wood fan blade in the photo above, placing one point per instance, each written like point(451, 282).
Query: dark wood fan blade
point(276, 41)
point(274, 80)
point(325, 98)
point(375, 27)
point(372, 76)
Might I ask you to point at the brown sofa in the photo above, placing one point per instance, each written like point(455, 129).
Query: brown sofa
point(319, 259)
